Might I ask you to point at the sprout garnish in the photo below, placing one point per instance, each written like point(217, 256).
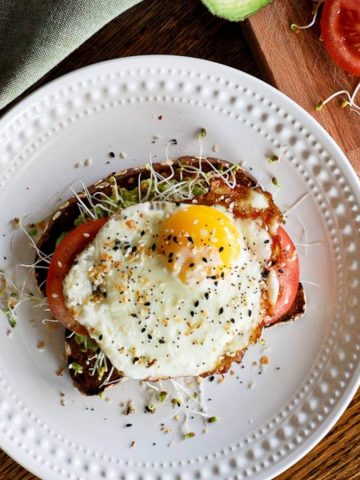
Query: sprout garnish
point(348, 100)
point(296, 28)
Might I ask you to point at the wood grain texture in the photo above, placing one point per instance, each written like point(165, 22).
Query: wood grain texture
point(185, 28)
point(298, 65)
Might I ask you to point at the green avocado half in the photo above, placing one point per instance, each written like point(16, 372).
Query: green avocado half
point(234, 10)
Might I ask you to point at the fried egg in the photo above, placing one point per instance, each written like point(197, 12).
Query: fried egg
point(170, 290)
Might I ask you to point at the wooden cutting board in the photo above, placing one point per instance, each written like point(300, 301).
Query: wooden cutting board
point(298, 65)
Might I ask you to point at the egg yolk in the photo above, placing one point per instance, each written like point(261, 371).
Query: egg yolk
point(198, 242)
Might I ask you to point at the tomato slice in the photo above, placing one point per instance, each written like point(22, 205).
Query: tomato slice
point(287, 269)
point(61, 262)
point(340, 29)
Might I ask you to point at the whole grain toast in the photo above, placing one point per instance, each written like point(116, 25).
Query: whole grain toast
point(62, 221)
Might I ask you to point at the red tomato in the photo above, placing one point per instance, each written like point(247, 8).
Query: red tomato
point(287, 269)
point(340, 29)
point(61, 262)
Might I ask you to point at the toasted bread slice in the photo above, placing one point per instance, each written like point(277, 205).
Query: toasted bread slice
point(63, 220)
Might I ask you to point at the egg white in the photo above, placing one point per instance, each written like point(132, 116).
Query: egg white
point(148, 322)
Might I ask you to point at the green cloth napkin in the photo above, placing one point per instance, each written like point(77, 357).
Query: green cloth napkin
point(35, 35)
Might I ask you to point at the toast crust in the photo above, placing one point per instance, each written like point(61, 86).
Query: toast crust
point(88, 382)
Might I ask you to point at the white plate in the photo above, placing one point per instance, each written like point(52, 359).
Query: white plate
point(119, 106)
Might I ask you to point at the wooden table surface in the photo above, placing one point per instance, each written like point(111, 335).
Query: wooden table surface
point(184, 27)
